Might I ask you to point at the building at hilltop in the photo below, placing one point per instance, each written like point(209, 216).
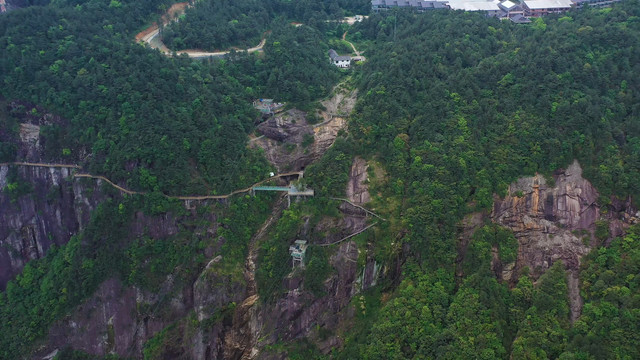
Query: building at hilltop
point(489, 7)
point(267, 106)
point(507, 9)
point(511, 8)
point(537, 8)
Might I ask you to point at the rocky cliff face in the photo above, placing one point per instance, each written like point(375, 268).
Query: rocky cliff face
point(290, 142)
point(298, 314)
point(231, 323)
point(119, 319)
point(551, 222)
point(53, 209)
point(556, 222)
point(40, 206)
point(32, 144)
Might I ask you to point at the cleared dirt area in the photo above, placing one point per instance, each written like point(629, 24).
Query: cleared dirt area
point(174, 11)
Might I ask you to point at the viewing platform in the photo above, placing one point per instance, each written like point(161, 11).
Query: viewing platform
point(290, 190)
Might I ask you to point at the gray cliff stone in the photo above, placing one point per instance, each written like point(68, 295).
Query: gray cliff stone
point(298, 314)
point(554, 223)
point(56, 209)
point(120, 319)
point(550, 221)
point(284, 134)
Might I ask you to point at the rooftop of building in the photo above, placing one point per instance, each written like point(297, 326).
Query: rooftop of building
point(509, 5)
point(335, 57)
point(470, 5)
point(422, 4)
point(548, 4)
point(519, 19)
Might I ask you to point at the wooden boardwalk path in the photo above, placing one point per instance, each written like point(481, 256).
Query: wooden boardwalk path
point(298, 174)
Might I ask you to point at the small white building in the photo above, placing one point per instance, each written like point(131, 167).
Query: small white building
point(297, 251)
point(339, 61)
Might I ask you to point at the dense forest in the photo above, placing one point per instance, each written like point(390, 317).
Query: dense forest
point(457, 107)
point(452, 108)
point(218, 24)
point(139, 117)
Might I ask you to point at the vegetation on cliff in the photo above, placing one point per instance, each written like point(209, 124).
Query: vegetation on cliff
point(454, 106)
point(218, 24)
point(142, 118)
point(457, 107)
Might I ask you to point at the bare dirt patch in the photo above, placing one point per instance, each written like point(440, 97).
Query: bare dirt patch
point(290, 142)
point(174, 11)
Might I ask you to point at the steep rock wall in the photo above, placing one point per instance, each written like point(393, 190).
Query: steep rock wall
point(550, 222)
point(290, 142)
point(556, 222)
point(298, 314)
point(55, 208)
point(120, 319)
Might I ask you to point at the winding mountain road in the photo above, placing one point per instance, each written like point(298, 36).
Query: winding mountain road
point(151, 36)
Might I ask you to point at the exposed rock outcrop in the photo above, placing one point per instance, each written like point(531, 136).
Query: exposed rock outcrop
point(299, 314)
point(555, 222)
point(550, 222)
point(54, 209)
point(290, 142)
point(241, 340)
point(106, 323)
point(31, 144)
point(357, 190)
point(40, 206)
point(121, 319)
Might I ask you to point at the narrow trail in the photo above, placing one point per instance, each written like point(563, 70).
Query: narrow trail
point(347, 237)
point(344, 37)
point(299, 174)
point(194, 53)
point(360, 207)
point(21, 163)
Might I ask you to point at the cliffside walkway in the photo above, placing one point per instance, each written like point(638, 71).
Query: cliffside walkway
point(291, 190)
point(359, 207)
point(348, 237)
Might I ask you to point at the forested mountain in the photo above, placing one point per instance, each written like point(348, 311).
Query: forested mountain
point(218, 24)
point(479, 201)
point(458, 107)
